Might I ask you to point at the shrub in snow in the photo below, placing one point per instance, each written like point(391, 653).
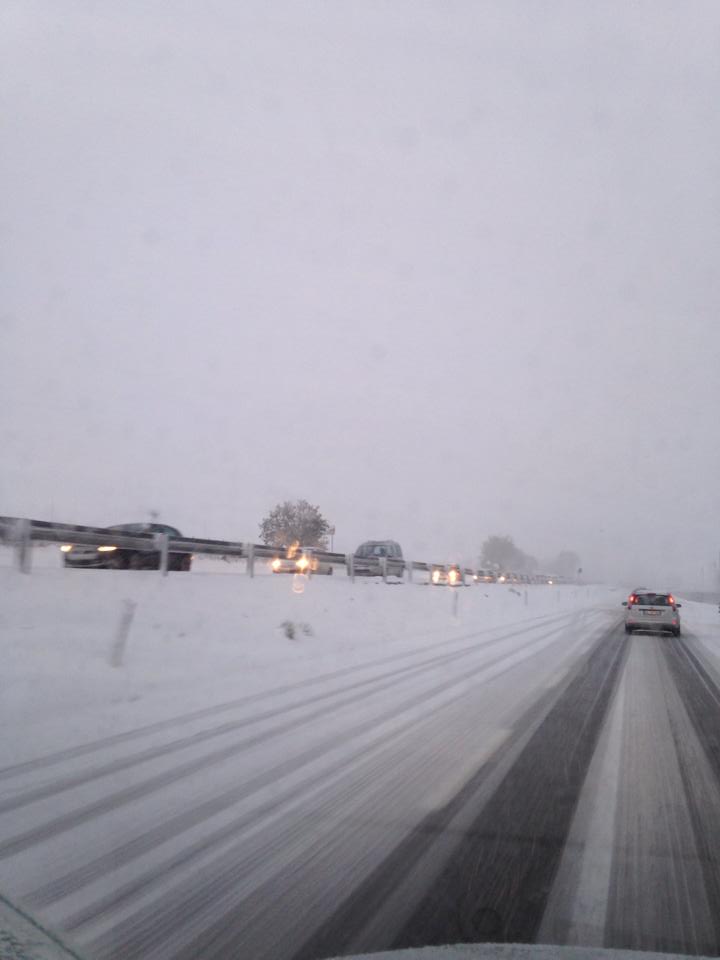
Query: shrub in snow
point(291, 629)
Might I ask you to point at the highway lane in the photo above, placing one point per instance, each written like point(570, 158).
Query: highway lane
point(557, 782)
point(639, 865)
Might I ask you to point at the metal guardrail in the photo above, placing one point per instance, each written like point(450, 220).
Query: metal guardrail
point(21, 532)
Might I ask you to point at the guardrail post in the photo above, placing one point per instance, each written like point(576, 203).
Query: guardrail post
point(250, 559)
point(350, 561)
point(23, 545)
point(409, 568)
point(383, 568)
point(163, 542)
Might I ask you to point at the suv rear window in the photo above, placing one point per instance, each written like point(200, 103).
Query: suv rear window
point(379, 548)
point(653, 600)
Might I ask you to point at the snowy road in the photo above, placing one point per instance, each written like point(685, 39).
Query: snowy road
point(552, 781)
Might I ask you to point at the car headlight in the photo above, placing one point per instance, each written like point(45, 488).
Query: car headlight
point(452, 576)
point(106, 549)
point(303, 563)
point(275, 564)
point(66, 547)
point(436, 576)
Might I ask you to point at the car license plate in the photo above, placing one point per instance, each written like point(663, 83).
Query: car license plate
point(651, 613)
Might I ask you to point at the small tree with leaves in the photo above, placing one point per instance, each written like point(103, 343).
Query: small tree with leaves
point(295, 521)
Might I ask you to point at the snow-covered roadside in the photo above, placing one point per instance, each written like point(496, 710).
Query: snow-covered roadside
point(703, 621)
point(699, 616)
point(203, 639)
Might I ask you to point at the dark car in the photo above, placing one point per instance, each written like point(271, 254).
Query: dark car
point(367, 560)
point(110, 557)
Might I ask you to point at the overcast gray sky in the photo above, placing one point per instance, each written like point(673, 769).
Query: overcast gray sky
point(445, 269)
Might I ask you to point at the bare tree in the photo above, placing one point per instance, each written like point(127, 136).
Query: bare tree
point(295, 521)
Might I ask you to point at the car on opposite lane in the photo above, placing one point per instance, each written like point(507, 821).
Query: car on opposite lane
point(652, 611)
point(451, 575)
point(371, 556)
point(484, 576)
point(508, 577)
point(302, 560)
point(111, 557)
point(284, 564)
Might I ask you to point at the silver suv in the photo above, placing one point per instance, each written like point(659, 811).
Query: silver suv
point(652, 611)
point(369, 557)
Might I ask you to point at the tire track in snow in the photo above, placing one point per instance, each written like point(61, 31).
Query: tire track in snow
point(45, 791)
point(180, 823)
point(153, 783)
point(73, 781)
point(494, 885)
point(84, 749)
point(700, 696)
point(152, 926)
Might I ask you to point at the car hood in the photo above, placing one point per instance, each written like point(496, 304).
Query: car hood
point(511, 951)
point(29, 940)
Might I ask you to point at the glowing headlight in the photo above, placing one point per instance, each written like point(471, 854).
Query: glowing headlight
point(303, 563)
point(66, 547)
point(436, 576)
point(106, 549)
point(276, 564)
point(452, 576)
